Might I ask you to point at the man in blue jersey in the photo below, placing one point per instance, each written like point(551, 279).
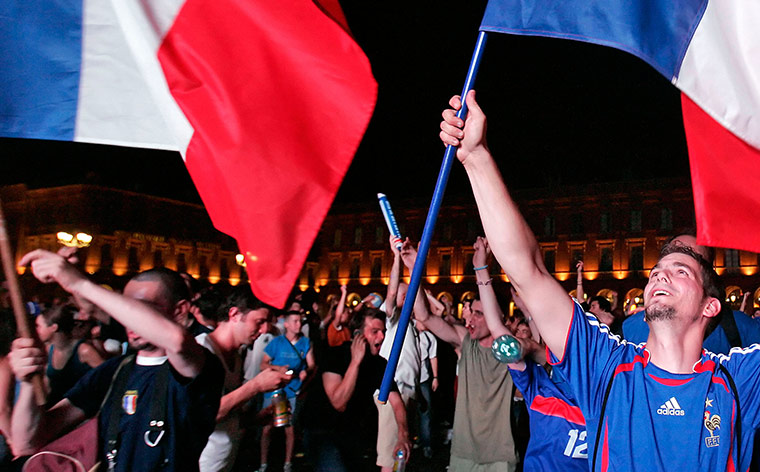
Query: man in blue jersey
point(731, 328)
point(558, 438)
point(661, 405)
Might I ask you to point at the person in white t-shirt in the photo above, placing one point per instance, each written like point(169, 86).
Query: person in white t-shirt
point(240, 322)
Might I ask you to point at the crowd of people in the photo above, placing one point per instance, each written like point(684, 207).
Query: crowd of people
point(179, 377)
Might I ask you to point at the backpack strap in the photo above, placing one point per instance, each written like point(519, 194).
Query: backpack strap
point(728, 323)
point(601, 421)
point(738, 421)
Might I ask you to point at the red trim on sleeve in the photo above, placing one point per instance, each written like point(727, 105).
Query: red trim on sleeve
point(567, 336)
point(551, 406)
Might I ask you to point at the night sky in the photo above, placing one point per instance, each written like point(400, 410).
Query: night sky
point(560, 112)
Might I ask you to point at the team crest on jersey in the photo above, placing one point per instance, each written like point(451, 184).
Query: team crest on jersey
point(712, 422)
point(129, 402)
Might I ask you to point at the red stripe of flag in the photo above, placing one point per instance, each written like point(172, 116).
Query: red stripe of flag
point(279, 95)
point(725, 174)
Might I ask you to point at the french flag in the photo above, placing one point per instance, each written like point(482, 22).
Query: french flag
point(266, 101)
point(710, 50)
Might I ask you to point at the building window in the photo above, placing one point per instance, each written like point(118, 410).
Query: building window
point(334, 265)
point(310, 277)
point(133, 261)
point(550, 257)
point(549, 227)
point(379, 233)
point(106, 258)
point(666, 219)
point(469, 268)
point(576, 255)
point(605, 261)
point(357, 236)
point(445, 265)
point(182, 262)
point(377, 267)
point(472, 231)
point(576, 223)
point(158, 258)
point(637, 258)
point(203, 267)
point(224, 269)
point(337, 238)
point(447, 232)
point(604, 223)
point(732, 258)
point(635, 220)
point(355, 264)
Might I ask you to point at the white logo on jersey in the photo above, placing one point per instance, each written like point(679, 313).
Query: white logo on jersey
point(670, 408)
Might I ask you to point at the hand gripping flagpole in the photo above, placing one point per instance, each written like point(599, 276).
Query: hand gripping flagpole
point(427, 233)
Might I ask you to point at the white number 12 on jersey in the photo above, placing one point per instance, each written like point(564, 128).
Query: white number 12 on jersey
point(579, 451)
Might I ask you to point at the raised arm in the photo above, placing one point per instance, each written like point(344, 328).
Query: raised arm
point(185, 355)
point(340, 388)
point(31, 425)
point(394, 279)
point(509, 235)
point(341, 314)
point(579, 293)
point(743, 308)
point(491, 310)
point(436, 307)
point(451, 334)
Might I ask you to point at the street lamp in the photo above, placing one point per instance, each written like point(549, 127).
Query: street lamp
point(240, 259)
point(79, 240)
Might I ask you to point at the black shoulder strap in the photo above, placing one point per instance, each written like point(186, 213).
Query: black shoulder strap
point(601, 421)
point(738, 422)
point(728, 323)
point(118, 384)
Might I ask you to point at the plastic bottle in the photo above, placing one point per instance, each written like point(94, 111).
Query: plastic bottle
point(400, 464)
point(281, 408)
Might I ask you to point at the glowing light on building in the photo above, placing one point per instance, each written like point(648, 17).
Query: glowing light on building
point(432, 279)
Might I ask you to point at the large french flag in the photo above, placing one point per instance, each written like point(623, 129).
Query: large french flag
point(710, 50)
point(266, 101)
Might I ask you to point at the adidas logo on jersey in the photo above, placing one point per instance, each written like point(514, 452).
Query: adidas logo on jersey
point(670, 408)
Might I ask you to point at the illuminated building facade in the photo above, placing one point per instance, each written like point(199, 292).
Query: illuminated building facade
point(616, 229)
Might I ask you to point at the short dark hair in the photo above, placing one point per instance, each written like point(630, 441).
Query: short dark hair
point(710, 281)
point(604, 304)
point(61, 315)
point(243, 299)
point(358, 319)
point(175, 287)
point(693, 233)
point(208, 302)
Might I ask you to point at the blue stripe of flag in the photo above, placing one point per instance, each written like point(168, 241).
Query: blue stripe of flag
point(41, 44)
point(657, 31)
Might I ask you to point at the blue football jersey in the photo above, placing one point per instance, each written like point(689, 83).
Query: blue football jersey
point(656, 420)
point(558, 438)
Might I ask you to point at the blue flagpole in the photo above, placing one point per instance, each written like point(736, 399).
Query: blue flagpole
point(427, 233)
